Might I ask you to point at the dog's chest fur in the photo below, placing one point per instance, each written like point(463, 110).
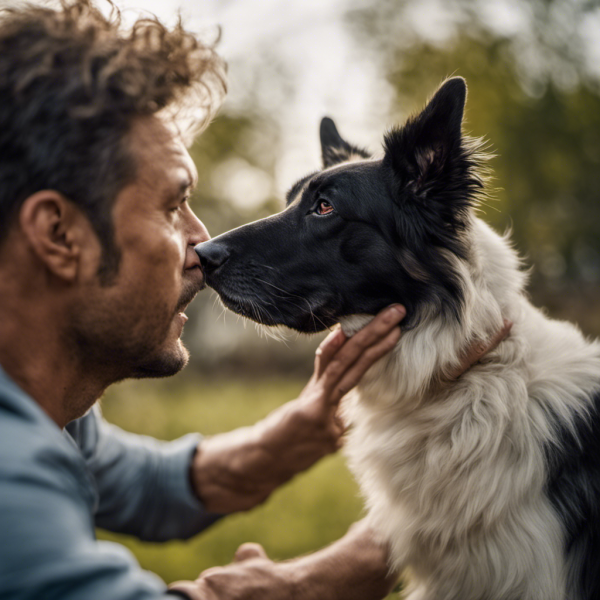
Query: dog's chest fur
point(455, 475)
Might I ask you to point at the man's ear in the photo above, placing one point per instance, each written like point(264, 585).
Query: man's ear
point(423, 153)
point(56, 229)
point(334, 148)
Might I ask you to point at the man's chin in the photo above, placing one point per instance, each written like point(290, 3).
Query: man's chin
point(163, 364)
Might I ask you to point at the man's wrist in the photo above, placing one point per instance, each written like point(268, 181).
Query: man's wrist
point(186, 590)
point(232, 472)
point(240, 469)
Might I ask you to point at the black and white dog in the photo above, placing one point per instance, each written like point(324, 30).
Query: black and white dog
point(487, 488)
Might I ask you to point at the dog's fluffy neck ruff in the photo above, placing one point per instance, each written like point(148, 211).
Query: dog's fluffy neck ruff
point(426, 353)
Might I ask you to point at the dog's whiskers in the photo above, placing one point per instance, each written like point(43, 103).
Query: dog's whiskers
point(289, 295)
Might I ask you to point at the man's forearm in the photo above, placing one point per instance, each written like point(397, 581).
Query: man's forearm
point(354, 567)
point(238, 470)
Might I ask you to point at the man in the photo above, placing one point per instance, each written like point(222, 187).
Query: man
point(97, 266)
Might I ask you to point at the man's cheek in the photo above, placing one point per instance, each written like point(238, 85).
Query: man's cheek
point(163, 255)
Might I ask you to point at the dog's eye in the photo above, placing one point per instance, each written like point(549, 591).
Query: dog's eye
point(324, 208)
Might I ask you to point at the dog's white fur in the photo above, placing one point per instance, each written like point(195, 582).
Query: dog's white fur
point(453, 473)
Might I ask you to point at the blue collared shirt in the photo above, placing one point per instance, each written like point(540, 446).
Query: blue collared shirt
point(57, 485)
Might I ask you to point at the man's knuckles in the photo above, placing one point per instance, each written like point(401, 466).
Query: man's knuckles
point(248, 551)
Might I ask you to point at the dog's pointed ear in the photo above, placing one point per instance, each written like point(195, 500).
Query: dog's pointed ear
point(334, 148)
point(422, 152)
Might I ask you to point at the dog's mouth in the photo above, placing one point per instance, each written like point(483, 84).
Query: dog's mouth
point(247, 308)
point(275, 314)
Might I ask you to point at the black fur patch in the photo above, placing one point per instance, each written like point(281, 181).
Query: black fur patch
point(574, 489)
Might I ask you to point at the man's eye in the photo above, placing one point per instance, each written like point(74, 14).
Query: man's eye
point(324, 208)
point(179, 206)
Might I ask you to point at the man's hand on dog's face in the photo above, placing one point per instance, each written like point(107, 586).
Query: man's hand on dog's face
point(238, 470)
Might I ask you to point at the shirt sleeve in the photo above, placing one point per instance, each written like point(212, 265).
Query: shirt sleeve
point(48, 547)
point(143, 485)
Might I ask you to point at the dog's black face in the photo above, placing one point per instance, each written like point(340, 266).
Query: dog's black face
point(359, 236)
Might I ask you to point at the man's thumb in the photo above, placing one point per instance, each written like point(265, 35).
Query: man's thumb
point(249, 550)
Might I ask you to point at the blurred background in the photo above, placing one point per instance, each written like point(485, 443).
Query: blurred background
point(533, 71)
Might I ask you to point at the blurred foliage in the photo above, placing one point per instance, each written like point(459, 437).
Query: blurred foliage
point(547, 162)
point(248, 143)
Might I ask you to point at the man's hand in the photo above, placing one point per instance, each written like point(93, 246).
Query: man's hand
point(252, 576)
point(238, 470)
point(353, 568)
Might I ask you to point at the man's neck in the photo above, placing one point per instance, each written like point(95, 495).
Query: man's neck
point(34, 354)
point(60, 389)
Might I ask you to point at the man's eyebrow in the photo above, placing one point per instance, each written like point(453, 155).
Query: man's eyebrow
point(181, 190)
point(187, 184)
point(297, 187)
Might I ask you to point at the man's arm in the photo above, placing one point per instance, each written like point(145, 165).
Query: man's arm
point(143, 485)
point(353, 568)
point(49, 550)
point(238, 470)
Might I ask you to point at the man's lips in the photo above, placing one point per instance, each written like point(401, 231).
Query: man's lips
point(196, 274)
point(193, 284)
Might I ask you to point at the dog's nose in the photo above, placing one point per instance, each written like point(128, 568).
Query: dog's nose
point(212, 255)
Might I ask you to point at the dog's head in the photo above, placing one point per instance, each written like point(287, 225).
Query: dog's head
point(361, 233)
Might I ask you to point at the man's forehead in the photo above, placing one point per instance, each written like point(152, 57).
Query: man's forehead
point(160, 153)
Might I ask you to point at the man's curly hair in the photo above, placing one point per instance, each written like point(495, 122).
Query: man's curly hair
point(71, 82)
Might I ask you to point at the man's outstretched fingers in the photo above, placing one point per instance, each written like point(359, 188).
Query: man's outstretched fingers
point(367, 360)
point(370, 335)
point(327, 350)
point(379, 327)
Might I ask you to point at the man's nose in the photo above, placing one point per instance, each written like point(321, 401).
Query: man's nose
point(213, 254)
point(197, 233)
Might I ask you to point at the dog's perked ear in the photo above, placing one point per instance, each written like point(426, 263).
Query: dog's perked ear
point(334, 148)
point(429, 156)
